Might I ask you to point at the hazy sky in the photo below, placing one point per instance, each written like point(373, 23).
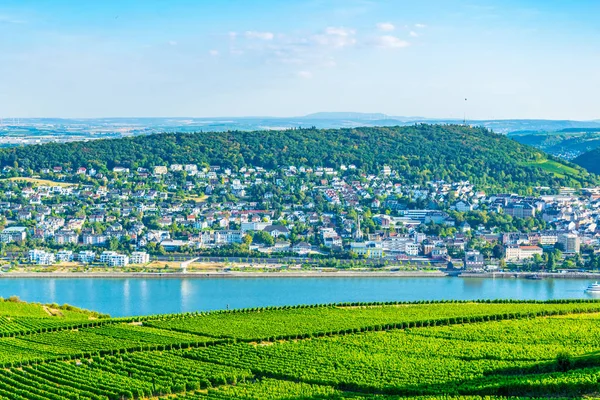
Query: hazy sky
point(509, 58)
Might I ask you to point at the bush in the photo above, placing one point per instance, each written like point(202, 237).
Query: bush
point(564, 361)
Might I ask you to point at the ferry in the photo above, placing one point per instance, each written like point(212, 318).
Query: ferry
point(593, 288)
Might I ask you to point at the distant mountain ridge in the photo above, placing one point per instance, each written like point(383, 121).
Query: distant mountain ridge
point(323, 120)
point(347, 115)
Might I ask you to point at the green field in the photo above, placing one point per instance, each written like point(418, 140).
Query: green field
point(425, 350)
point(558, 169)
point(39, 181)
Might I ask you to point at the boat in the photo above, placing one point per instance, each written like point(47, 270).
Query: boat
point(593, 288)
point(535, 277)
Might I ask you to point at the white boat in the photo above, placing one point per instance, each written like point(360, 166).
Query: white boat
point(593, 288)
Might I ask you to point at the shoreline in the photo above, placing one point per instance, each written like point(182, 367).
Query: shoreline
point(303, 274)
point(225, 275)
point(528, 275)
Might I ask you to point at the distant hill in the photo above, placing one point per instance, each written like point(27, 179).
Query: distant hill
point(590, 161)
point(14, 132)
point(566, 143)
point(419, 152)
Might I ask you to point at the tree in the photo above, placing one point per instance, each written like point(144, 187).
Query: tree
point(498, 251)
point(113, 244)
point(264, 238)
point(551, 265)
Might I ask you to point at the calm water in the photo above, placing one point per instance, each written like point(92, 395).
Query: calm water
point(120, 297)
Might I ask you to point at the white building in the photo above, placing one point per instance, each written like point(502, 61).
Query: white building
point(253, 226)
point(571, 243)
point(139, 257)
point(367, 249)
point(518, 253)
point(114, 259)
point(401, 245)
point(13, 234)
point(64, 256)
point(548, 238)
point(160, 170)
point(41, 257)
point(86, 256)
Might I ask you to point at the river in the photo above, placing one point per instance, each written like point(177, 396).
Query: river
point(140, 296)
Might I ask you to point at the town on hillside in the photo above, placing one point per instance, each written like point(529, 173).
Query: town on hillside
point(349, 218)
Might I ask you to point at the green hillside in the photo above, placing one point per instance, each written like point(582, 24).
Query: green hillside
point(590, 161)
point(487, 349)
point(420, 153)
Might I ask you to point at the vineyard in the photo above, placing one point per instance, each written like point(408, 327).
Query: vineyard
point(426, 350)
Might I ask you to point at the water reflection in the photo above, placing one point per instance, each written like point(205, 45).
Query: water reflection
point(185, 292)
point(52, 291)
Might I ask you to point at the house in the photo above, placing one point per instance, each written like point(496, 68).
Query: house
point(463, 206)
point(86, 256)
point(65, 236)
point(91, 239)
point(41, 257)
point(301, 248)
point(331, 241)
point(277, 230)
point(139, 257)
point(64, 256)
point(367, 249)
point(13, 234)
point(173, 245)
point(439, 253)
point(253, 226)
point(570, 242)
point(520, 210)
point(114, 259)
point(465, 227)
point(160, 170)
point(474, 260)
point(518, 253)
point(24, 215)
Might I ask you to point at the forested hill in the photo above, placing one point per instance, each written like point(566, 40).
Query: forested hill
point(590, 161)
point(419, 152)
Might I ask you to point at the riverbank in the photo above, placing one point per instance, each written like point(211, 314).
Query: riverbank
point(303, 274)
point(229, 274)
point(532, 275)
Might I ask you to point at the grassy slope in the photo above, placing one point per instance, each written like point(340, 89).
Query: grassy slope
point(14, 308)
point(40, 182)
point(352, 351)
point(559, 169)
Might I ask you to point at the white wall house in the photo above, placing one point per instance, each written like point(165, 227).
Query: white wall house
point(41, 257)
point(114, 259)
point(139, 257)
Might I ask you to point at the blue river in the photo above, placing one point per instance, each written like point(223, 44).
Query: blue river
point(136, 296)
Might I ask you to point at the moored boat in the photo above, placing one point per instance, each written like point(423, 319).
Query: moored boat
point(593, 288)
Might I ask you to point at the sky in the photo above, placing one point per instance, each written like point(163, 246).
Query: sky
point(205, 58)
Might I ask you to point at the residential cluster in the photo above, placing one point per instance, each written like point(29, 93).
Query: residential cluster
point(127, 216)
